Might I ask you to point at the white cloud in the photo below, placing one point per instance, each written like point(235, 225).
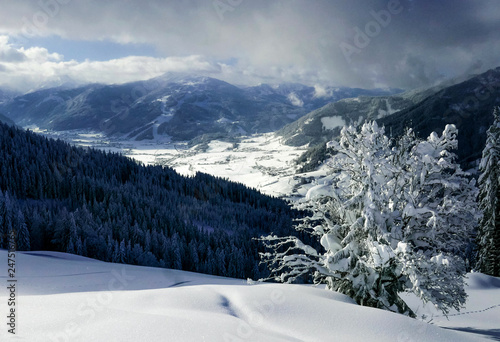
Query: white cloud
point(294, 100)
point(35, 67)
point(134, 68)
point(8, 53)
point(320, 91)
point(40, 55)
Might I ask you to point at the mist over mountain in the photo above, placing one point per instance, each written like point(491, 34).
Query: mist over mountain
point(7, 95)
point(176, 105)
point(311, 98)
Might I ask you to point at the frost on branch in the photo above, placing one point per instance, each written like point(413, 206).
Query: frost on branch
point(395, 219)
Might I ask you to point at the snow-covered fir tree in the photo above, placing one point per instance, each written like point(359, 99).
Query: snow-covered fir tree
point(22, 234)
point(488, 239)
point(393, 221)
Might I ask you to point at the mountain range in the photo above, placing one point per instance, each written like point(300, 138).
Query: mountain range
point(184, 107)
point(173, 105)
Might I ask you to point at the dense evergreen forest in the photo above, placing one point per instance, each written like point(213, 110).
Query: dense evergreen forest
point(84, 201)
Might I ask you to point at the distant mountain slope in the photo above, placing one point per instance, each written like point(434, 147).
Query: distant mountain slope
point(467, 104)
point(6, 120)
point(176, 105)
point(324, 123)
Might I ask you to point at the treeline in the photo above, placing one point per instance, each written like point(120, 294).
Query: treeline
point(102, 205)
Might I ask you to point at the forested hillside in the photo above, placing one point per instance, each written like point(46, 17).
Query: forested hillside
point(106, 206)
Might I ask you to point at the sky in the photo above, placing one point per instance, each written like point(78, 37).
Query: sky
point(363, 43)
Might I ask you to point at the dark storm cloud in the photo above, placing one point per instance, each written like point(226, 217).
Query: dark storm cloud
point(406, 43)
point(428, 40)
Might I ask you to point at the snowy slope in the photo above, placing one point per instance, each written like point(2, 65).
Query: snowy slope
point(63, 297)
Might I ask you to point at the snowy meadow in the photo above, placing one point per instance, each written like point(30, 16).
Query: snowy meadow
point(64, 297)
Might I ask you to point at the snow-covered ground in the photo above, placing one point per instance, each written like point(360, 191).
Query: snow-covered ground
point(61, 297)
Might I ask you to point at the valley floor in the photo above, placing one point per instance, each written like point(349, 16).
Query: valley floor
point(259, 161)
point(62, 297)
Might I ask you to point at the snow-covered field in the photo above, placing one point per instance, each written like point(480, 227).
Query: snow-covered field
point(61, 297)
point(259, 161)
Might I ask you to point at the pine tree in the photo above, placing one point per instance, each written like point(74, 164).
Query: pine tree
point(23, 234)
point(2, 213)
point(394, 219)
point(488, 239)
point(71, 248)
point(122, 252)
point(116, 256)
point(72, 237)
point(7, 212)
point(194, 260)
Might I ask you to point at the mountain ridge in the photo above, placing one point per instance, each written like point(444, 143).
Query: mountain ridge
point(468, 105)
